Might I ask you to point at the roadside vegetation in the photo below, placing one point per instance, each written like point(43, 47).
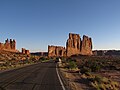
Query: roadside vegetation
point(12, 60)
point(71, 64)
point(43, 59)
point(96, 70)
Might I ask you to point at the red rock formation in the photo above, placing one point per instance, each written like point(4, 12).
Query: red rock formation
point(86, 47)
point(55, 51)
point(27, 52)
point(12, 44)
point(8, 45)
point(75, 45)
point(1, 46)
point(24, 51)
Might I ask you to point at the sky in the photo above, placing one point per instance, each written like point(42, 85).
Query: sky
point(35, 24)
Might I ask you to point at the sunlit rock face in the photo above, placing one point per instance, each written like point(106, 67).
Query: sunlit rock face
point(9, 45)
point(74, 45)
point(24, 51)
point(56, 51)
point(86, 46)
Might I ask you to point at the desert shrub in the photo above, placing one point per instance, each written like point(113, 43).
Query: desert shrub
point(63, 61)
point(70, 59)
point(72, 65)
point(104, 84)
point(95, 67)
point(85, 70)
point(98, 79)
point(42, 58)
point(63, 58)
point(98, 86)
point(33, 59)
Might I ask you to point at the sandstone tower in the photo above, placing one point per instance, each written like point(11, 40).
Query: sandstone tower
point(8, 45)
point(86, 46)
point(74, 45)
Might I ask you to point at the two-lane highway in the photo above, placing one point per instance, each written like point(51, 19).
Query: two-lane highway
point(41, 76)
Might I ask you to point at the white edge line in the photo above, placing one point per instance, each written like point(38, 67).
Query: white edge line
point(60, 79)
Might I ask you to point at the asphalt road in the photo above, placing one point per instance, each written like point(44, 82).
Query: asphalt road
point(41, 76)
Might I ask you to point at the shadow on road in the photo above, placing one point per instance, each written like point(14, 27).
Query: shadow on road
point(1, 88)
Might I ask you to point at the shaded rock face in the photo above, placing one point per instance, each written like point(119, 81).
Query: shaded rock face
point(56, 51)
point(75, 45)
point(8, 45)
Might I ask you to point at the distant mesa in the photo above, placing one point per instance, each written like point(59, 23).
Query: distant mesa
point(106, 52)
point(9, 45)
point(44, 54)
point(74, 45)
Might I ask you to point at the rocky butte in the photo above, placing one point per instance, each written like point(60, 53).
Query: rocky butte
point(56, 51)
point(9, 45)
point(74, 45)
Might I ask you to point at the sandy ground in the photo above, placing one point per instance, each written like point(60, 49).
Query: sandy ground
point(74, 80)
point(111, 74)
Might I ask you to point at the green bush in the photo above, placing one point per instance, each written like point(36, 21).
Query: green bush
point(72, 65)
point(95, 68)
point(85, 70)
point(42, 58)
point(103, 83)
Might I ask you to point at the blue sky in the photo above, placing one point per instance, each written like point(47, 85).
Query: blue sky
point(35, 24)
